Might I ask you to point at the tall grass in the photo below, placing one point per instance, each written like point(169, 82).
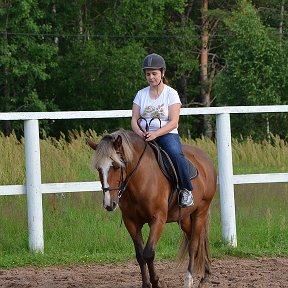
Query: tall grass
point(12, 164)
point(264, 157)
point(250, 156)
point(78, 230)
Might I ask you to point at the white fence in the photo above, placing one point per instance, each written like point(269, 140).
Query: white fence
point(34, 188)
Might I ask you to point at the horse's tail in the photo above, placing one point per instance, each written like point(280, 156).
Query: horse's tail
point(202, 255)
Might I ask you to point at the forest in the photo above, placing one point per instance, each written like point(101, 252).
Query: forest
point(81, 55)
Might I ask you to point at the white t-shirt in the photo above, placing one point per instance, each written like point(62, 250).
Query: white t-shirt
point(150, 108)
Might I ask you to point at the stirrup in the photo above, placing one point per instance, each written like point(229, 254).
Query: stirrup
point(185, 198)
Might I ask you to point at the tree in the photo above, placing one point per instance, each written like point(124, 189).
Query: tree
point(205, 87)
point(253, 75)
point(87, 55)
point(102, 69)
point(208, 17)
point(25, 57)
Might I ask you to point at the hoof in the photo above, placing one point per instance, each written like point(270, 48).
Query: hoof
point(160, 284)
point(204, 284)
point(188, 280)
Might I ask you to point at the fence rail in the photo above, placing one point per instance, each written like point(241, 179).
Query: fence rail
point(226, 180)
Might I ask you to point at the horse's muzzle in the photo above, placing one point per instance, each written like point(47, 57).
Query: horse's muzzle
point(113, 205)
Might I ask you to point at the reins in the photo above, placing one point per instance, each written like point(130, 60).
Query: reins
point(147, 125)
point(153, 142)
point(124, 182)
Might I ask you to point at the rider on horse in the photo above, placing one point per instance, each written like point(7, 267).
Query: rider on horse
point(158, 100)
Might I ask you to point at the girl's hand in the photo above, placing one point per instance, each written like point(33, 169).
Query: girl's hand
point(149, 136)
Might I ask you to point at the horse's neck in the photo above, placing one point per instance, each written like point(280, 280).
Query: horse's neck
point(147, 165)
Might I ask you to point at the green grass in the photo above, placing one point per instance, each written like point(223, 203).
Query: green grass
point(78, 230)
point(261, 216)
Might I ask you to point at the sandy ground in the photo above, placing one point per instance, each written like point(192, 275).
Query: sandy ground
point(228, 272)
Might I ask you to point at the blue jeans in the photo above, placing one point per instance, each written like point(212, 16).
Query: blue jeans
point(171, 144)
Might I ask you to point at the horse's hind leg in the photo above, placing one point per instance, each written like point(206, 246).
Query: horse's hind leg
point(186, 226)
point(197, 228)
point(200, 245)
point(203, 252)
point(204, 281)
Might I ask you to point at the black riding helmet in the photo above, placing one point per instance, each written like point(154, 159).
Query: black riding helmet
point(154, 61)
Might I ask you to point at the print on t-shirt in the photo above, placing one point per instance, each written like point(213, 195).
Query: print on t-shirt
point(152, 111)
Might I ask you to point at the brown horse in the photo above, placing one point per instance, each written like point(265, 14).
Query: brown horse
point(131, 177)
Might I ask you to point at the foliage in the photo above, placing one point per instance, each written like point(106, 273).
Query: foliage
point(254, 73)
point(25, 59)
point(252, 62)
point(86, 55)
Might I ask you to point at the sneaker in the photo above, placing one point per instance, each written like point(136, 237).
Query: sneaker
point(185, 198)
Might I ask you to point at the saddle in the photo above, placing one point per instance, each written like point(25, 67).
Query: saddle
point(164, 160)
point(168, 169)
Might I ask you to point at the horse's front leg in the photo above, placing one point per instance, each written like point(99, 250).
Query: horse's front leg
point(156, 229)
point(136, 235)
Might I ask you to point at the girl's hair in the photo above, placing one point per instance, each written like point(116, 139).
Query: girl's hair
point(165, 81)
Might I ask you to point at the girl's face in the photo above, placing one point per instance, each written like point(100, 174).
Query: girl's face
point(153, 76)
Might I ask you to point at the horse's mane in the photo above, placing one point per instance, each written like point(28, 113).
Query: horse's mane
point(105, 150)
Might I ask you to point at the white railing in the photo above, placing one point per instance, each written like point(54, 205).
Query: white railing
point(34, 188)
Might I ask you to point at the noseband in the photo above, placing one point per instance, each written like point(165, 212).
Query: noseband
point(124, 182)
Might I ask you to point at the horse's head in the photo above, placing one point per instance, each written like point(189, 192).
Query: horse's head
point(110, 159)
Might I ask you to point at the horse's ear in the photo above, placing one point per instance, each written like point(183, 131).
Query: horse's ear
point(117, 143)
point(92, 144)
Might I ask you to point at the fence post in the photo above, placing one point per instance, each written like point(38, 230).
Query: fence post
point(225, 174)
point(33, 186)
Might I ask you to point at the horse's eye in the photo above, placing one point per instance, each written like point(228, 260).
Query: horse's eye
point(115, 165)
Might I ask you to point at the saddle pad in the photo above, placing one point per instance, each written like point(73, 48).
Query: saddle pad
point(167, 167)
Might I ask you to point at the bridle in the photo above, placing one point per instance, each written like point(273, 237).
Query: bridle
point(124, 182)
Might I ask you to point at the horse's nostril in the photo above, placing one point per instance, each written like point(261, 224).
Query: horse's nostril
point(112, 206)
